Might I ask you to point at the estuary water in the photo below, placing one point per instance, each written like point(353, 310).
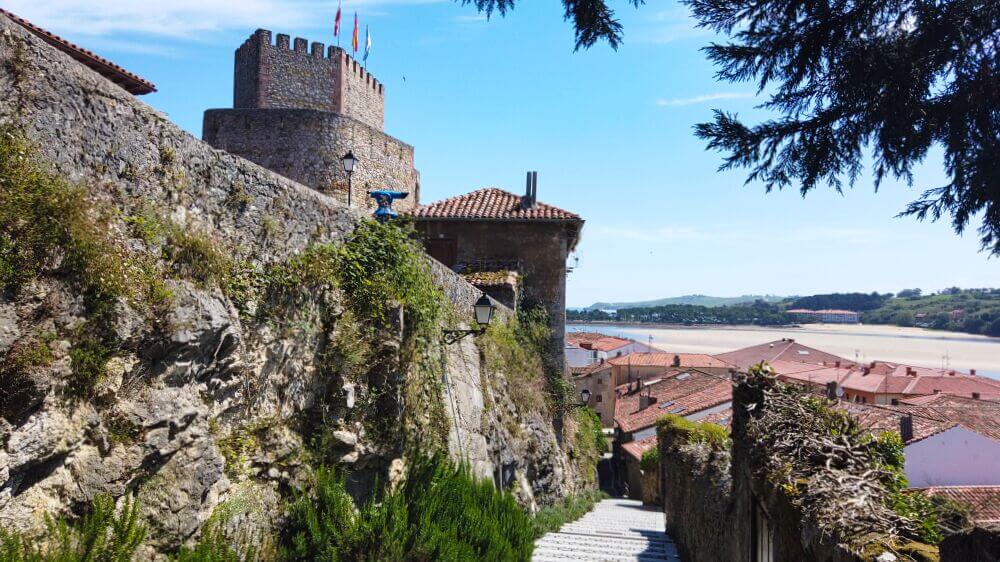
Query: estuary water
point(912, 346)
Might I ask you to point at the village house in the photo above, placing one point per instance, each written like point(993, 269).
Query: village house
point(515, 236)
point(880, 382)
point(948, 440)
point(983, 501)
point(638, 366)
point(691, 393)
point(785, 349)
point(829, 316)
point(596, 379)
point(585, 348)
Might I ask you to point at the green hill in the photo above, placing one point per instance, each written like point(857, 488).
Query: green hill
point(697, 300)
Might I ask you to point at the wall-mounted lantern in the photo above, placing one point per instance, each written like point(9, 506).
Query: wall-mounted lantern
point(483, 311)
point(349, 162)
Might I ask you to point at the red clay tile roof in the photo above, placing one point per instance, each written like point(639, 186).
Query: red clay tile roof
point(605, 344)
point(887, 418)
point(783, 349)
point(635, 449)
point(723, 418)
point(587, 370)
point(132, 83)
point(679, 394)
point(492, 204)
point(980, 416)
point(984, 501)
point(578, 337)
point(666, 359)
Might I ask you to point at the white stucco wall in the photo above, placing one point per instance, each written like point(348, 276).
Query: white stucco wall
point(954, 457)
point(576, 356)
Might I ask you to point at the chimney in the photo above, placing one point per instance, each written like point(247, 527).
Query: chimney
point(975, 396)
point(972, 372)
point(646, 400)
point(906, 428)
point(836, 364)
point(530, 191)
point(951, 373)
point(831, 390)
point(677, 360)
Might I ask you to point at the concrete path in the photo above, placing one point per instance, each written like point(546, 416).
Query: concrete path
point(616, 529)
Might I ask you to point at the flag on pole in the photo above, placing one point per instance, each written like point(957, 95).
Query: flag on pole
point(336, 24)
point(354, 40)
point(368, 43)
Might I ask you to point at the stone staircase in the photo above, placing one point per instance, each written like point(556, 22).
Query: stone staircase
point(616, 529)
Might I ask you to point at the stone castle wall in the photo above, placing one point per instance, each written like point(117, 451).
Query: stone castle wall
point(307, 146)
point(211, 371)
point(302, 76)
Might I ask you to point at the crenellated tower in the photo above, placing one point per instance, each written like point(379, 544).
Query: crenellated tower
point(299, 107)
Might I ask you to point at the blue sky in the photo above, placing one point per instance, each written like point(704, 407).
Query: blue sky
point(610, 134)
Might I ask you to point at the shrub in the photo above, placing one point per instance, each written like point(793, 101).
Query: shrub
point(46, 225)
point(714, 435)
point(440, 512)
point(650, 461)
point(570, 508)
point(101, 536)
point(89, 361)
point(213, 547)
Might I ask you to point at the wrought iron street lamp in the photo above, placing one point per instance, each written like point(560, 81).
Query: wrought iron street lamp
point(349, 162)
point(483, 311)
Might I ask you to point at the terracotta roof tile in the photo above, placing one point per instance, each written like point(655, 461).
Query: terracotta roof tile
point(984, 501)
point(980, 416)
point(784, 349)
point(666, 359)
point(635, 449)
point(679, 394)
point(132, 83)
point(492, 204)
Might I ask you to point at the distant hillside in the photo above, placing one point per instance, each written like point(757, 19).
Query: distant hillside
point(697, 300)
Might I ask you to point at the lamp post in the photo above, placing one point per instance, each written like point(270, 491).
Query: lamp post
point(483, 310)
point(349, 161)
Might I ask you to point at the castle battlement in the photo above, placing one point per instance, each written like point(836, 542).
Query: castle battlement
point(287, 74)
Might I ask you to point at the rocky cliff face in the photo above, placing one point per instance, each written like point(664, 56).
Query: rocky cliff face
point(207, 366)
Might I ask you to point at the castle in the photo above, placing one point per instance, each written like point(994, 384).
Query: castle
point(299, 108)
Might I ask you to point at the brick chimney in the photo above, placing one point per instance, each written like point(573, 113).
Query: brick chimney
point(906, 428)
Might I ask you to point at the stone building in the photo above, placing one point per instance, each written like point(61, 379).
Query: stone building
point(516, 238)
point(299, 108)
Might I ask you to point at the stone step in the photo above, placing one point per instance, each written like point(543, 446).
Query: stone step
point(615, 530)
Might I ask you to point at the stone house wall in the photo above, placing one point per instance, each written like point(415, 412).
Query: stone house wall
point(541, 248)
point(307, 145)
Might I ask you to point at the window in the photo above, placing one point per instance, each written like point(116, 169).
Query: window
point(975, 395)
point(895, 402)
point(599, 398)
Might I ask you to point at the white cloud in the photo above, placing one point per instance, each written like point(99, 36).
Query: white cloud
point(181, 18)
point(667, 26)
point(702, 99)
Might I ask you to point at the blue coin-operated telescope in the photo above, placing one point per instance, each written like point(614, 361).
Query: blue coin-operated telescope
point(384, 199)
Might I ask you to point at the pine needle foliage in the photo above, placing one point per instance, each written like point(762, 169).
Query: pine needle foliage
point(213, 547)
point(440, 512)
point(103, 535)
point(896, 77)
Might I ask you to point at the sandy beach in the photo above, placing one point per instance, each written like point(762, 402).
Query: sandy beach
point(914, 346)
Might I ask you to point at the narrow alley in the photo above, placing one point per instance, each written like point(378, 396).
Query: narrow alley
point(616, 529)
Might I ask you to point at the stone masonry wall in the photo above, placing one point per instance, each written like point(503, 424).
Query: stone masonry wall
point(539, 247)
point(302, 76)
point(212, 372)
point(307, 146)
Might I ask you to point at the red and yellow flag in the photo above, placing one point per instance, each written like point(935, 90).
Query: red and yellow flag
point(354, 40)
